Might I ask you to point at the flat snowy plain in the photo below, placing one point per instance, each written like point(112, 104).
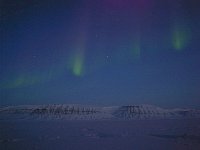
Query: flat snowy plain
point(99, 134)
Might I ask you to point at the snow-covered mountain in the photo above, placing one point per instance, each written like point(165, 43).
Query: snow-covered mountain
point(82, 112)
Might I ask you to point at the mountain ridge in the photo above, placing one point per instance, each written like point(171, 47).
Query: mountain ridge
point(89, 112)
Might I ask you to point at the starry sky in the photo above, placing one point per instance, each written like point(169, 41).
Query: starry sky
point(100, 52)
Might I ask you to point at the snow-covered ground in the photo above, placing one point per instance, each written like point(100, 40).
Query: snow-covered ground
point(77, 127)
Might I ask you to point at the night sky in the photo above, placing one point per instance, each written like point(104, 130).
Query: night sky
point(100, 52)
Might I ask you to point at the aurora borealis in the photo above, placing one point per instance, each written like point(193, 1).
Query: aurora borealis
point(100, 52)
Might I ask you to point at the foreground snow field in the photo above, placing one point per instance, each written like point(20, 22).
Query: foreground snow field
point(76, 127)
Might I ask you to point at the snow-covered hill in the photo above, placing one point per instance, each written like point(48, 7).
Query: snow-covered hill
point(82, 112)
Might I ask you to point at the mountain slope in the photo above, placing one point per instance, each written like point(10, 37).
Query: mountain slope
point(82, 112)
